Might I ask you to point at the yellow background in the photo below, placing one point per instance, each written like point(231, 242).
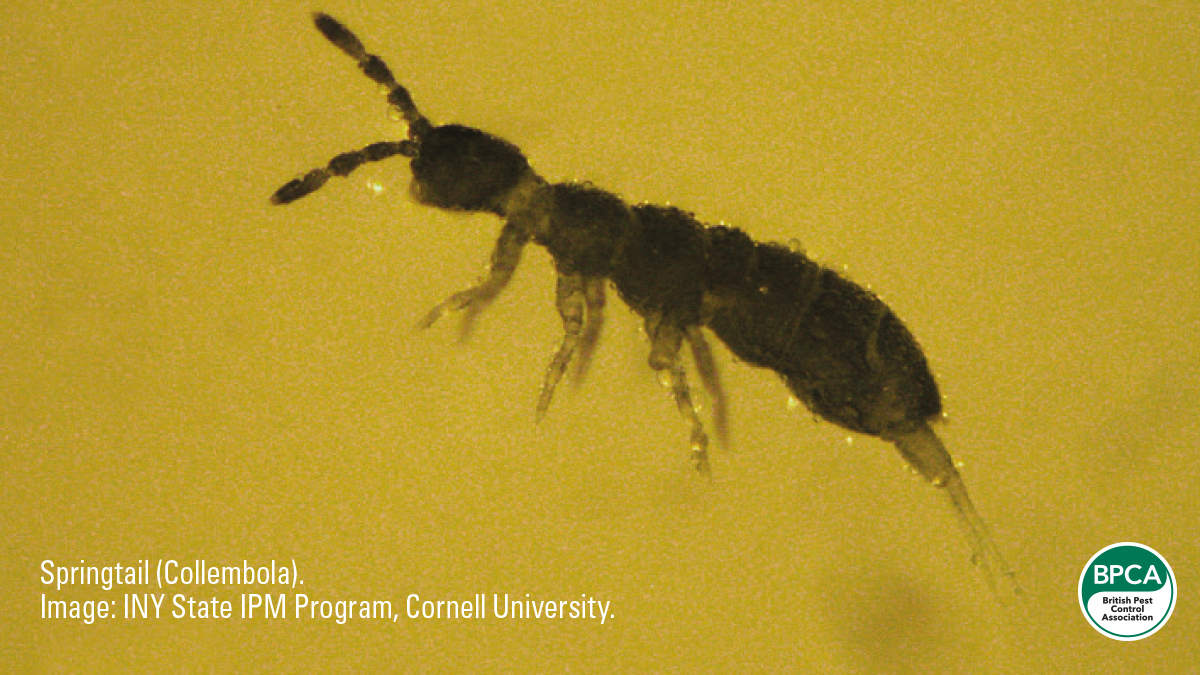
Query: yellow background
point(192, 373)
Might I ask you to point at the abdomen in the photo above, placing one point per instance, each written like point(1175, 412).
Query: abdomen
point(839, 348)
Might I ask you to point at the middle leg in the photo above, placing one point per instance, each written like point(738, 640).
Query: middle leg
point(570, 295)
point(593, 293)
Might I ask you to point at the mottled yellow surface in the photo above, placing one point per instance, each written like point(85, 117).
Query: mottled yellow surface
point(189, 373)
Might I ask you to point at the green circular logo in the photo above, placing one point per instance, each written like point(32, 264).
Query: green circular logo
point(1127, 591)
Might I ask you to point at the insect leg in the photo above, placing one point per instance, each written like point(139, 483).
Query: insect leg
point(593, 293)
point(710, 377)
point(924, 452)
point(666, 341)
point(570, 301)
point(341, 165)
point(505, 258)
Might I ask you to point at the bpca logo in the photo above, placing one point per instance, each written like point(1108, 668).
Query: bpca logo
point(1127, 591)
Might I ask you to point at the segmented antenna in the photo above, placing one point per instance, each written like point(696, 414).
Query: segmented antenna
point(398, 97)
point(341, 165)
point(374, 68)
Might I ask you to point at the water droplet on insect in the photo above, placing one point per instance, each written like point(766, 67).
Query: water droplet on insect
point(793, 403)
point(384, 90)
point(959, 464)
point(849, 440)
point(795, 245)
point(395, 114)
point(938, 482)
point(664, 378)
point(375, 186)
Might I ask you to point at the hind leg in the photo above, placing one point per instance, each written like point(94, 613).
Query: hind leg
point(710, 377)
point(666, 341)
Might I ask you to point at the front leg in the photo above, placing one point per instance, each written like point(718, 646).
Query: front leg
point(505, 258)
point(666, 340)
